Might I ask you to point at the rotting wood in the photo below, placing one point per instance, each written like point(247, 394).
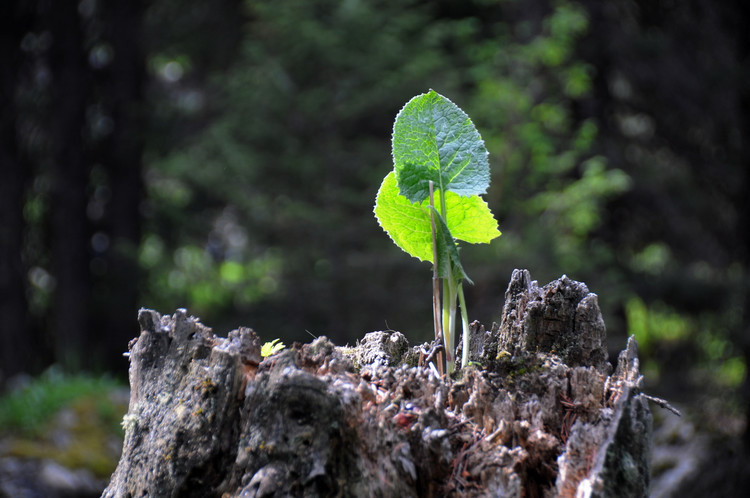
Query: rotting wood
point(536, 412)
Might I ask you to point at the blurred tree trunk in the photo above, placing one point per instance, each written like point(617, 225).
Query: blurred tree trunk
point(70, 176)
point(121, 155)
point(15, 342)
point(92, 115)
point(684, 70)
point(742, 198)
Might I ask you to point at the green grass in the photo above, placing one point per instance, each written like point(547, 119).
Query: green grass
point(27, 409)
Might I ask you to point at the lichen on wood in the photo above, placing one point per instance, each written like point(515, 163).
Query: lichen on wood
point(536, 413)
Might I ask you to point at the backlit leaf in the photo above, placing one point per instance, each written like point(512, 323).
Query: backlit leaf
point(468, 219)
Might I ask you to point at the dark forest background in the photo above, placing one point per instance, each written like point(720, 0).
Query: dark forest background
point(224, 157)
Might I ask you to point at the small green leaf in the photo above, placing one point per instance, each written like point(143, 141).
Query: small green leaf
point(469, 219)
point(271, 348)
point(433, 139)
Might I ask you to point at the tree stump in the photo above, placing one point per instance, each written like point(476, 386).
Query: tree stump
point(536, 413)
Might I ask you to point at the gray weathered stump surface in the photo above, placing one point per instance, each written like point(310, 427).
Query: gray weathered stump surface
point(541, 416)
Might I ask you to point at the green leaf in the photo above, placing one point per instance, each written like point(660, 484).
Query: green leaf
point(407, 224)
point(449, 262)
point(433, 139)
point(271, 348)
point(469, 219)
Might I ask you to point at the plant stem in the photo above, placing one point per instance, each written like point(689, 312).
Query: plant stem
point(449, 320)
point(449, 304)
point(464, 326)
point(435, 284)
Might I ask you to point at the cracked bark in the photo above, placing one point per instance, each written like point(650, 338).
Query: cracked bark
point(541, 416)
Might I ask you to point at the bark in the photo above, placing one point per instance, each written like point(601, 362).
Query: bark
point(539, 416)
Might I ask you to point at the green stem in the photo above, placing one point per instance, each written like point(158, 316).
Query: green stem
point(449, 320)
point(435, 284)
point(465, 327)
point(449, 305)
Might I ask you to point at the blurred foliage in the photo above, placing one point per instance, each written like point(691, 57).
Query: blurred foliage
point(615, 151)
point(85, 433)
point(551, 188)
point(71, 419)
point(293, 137)
point(27, 409)
point(683, 350)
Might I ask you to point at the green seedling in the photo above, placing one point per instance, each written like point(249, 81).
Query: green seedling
point(271, 348)
point(431, 199)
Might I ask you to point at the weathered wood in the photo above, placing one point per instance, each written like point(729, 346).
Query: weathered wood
point(536, 415)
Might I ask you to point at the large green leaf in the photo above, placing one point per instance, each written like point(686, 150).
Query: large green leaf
point(433, 139)
point(408, 224)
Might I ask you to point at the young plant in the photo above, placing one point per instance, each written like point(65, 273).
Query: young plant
point(431, 199)
point(271, 348)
